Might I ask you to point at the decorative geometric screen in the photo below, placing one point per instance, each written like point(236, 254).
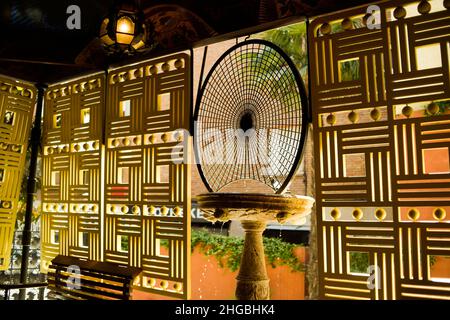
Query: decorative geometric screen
point(17, 102)
point(116, 182)
point(380, 97)
point(72, 169)
point(147, 183)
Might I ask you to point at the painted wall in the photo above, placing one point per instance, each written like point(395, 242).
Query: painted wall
point(212, 282)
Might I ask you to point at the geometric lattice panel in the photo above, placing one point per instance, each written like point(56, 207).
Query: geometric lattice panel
point(147, 183)
point(380, 100)
point(72, 169)
point(17, 102)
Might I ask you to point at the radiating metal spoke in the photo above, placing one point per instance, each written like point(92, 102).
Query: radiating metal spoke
point(253, 86)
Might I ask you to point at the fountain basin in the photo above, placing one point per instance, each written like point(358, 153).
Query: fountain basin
point(262, 207)
point(254, 211)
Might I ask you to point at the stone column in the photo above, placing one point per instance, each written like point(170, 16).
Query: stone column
point(252, 280)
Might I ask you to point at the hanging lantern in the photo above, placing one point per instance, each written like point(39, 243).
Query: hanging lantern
point(124, 30)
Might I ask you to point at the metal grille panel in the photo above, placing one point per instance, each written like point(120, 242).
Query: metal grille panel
point(377, 109)
point(17, 102)
point(72, 169)
point(147, 181)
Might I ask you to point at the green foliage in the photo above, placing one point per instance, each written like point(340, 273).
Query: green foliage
point(349, 70)
point(336, 26)
point(292, 39)
point(279, 252)
point(444, 108)
point(228, 250)
point(359, 262)
point(432, 260)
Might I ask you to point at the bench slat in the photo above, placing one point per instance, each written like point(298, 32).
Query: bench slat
point(119, 284)
point(96, 275)
point(97, 280)
point(62, 286)
point(98, 266)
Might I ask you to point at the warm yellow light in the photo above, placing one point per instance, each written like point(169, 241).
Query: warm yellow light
point(125, 30)
point(125, 25)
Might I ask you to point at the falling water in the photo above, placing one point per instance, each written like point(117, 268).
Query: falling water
point(202, 277)
point(281, 229)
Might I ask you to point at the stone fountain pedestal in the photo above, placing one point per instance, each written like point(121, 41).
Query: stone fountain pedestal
point(254, 211)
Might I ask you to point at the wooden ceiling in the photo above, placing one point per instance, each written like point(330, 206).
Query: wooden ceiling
point(36, 45)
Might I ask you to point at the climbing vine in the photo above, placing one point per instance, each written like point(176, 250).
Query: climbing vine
point(228, 250)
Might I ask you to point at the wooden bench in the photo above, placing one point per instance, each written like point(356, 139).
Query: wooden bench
point(71, 278)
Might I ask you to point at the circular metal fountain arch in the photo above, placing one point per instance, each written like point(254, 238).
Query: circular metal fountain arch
point(255, 87)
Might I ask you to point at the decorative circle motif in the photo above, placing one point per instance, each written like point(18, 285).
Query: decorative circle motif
point(15, 147)
point(6, 204)
point(375, 114)
point(335, 214)
point(399, 13)
point(153, 70)
point(135, 209)
point(331, 119)
point(325, 28)
point(380, 214)
point(433, 108)
point(424, 7)
point(357, 214)
point(347, 24)
point(407, 111)
point(447, 4)
point(353, 116)
point(165, 67)
point(177, 287)
point(439, 214)
point(177, 211)
point(179, 64)
point(413, 214)
point(138, 73)
point(254, 101)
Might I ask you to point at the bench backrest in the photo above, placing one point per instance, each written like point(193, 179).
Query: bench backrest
point(74, 278)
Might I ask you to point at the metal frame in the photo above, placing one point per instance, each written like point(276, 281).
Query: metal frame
point(303, 100)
